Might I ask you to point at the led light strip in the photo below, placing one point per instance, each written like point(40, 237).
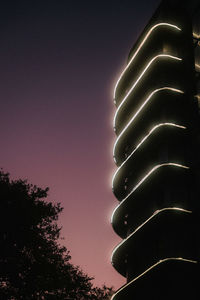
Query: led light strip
point(198, 97)
point(197, 66)
point(144, 178)
point(140, 46)
point(142, 141)
point(141, 75)
point(152, 267)
point(139, 227)
point(196, 36)
point(139, 110)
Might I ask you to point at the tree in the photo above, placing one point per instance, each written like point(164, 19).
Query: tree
point(33, 264)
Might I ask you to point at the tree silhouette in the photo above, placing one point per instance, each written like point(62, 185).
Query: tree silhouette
point(33, 264)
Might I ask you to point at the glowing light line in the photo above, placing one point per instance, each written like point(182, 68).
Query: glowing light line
point(196, 36)
point(139, 227)
point(144, 178)
point(196, 96)
point(140, 109)
point(142, 141)
point(197, 66)
point(152, 170)
point(141, 75)
point(152, 267)
point(140, 46)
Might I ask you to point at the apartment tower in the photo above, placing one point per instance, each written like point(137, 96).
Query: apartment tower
point(157, 156)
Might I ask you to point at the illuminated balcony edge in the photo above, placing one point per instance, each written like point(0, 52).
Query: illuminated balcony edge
point(196, 36)
point(141, 108)
point(140, 144)
point(144, 178)
point(140, 46)
point(144, 223)
point(140, 76)
point(197, 67)
point(197, 97)
point(152, 267)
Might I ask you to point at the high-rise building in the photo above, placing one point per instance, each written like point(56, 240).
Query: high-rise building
point(157, 155)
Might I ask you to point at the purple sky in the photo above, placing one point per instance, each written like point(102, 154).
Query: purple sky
point(58, 64)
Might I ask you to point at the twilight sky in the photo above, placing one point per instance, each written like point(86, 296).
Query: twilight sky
point(59, 61)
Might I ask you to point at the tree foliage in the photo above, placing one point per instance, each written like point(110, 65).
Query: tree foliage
point(33, 264)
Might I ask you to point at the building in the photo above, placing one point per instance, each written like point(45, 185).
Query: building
point(157, 156)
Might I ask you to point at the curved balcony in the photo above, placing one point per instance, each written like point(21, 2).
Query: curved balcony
point(151, 196)
point(160, 107)
point(171, 278)
point(157, 35)
point(154, 240)
point(164, 144)
point(150, 79)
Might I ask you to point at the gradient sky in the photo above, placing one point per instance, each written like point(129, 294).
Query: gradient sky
point(59, 61)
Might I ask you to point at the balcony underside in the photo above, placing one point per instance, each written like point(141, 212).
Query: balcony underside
point(169, 280)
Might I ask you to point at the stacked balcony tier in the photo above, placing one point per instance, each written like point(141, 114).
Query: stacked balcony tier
point(155, 216)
